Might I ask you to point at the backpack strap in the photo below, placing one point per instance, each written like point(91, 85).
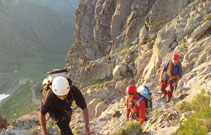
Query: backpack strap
point(138, 101)
point(178, 64)
point(137, 104)
point(71, 92)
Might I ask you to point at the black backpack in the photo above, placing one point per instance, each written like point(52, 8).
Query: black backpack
point(147, 99)
point(47, 82)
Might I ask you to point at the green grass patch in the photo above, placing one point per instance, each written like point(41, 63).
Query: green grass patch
point(77, 129)
point(198, 123)
point(129, 129)
point(129, 74)
point(99, 83)
point(207, 18)
point(181, 41)
point(145, 41)
point(135, 57)
point(184, 107)
point(156, 113)
point(35, 130)
point(123, 51)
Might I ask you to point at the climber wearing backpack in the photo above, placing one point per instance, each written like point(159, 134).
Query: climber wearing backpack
point(57, 102)
point(135, 105)
point(171, 74)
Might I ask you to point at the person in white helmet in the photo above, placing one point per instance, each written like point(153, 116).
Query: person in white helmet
point(57, 102)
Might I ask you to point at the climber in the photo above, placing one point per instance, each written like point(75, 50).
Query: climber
point(57, 103)
point(171, 74)
point(135, 105)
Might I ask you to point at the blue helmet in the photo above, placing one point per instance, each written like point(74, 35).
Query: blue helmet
point(144, 91)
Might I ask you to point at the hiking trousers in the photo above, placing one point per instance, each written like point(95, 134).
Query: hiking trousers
point(164, 85)
point(64, 127)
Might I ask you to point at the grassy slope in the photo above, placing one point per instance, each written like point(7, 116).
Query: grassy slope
point(19, 103)
point(34, 38)
point(35, 33)
point(199, 123)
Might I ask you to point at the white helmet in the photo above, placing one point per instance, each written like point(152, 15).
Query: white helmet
point(143, 90)
point(60, 86)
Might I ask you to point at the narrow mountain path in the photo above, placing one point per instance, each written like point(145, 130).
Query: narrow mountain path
point(164, 114)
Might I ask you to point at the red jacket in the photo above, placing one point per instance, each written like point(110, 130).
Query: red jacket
point(141, 107)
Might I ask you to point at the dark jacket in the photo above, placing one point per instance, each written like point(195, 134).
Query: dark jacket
point(57, 108)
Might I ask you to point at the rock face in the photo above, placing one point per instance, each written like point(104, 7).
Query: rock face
point(100, 27)
point(3, 123)
point(162, 12)
point(170, 26)
point(139, 39)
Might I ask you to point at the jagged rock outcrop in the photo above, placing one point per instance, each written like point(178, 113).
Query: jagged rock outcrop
point(119, 71)
point(122, 10)
point(3, 123)
point(164, 11)
point(200, 31)
point(103, 26)
point(97, 69)
point(195, 56)
point(139, 10)
point(100, 27)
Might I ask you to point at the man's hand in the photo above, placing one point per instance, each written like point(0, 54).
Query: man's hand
point(87, 131)
point(174, 84)
point(86, 119)
point(45, 132)
point(43, 124)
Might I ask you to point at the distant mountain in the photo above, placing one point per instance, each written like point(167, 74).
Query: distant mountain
point(34, 38)
point(32, 32)
point(64, 5)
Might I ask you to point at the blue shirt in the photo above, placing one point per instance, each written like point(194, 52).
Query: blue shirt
point(177, 70)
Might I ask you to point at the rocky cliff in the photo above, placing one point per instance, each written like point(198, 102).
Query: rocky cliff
point(106, 27)
point(121, 42)
point(127, 42)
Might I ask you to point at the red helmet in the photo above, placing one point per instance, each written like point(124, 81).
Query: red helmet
point(131, 89)
point(175, 57)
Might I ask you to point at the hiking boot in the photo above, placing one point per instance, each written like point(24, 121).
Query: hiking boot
point(163, 96)
point(168, 100)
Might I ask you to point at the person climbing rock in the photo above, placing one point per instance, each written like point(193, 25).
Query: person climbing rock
point(57, 103)
point(135, 105)
point(170, 75)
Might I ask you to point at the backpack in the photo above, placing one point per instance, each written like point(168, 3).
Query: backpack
point(47, 82)
point(178, 64)
point(145, 94)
